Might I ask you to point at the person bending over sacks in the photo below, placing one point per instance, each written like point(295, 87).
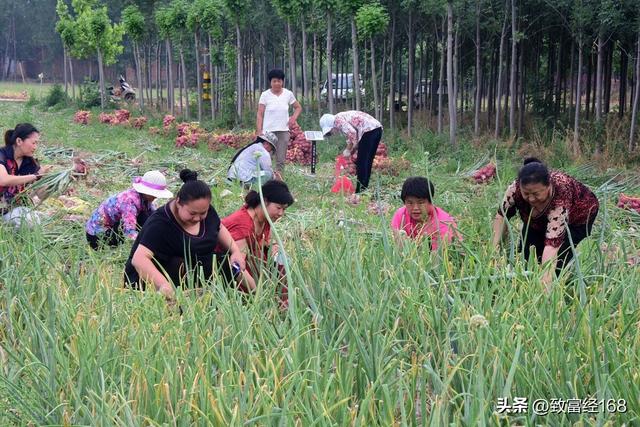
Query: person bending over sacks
point(121, 216)
point(419, 218)
point(556, 209)
point(176, 245)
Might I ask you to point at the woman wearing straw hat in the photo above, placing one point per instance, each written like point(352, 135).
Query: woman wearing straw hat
point(122, 215)
point(254, 160)
point(363, 133)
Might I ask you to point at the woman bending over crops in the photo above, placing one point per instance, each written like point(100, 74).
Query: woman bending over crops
point(254, 160)
point(273, 114)
point(176, 245)
point(363, 134)
point(419, 218)
point(121, 216)
point(557, 211)
point(251, 230)
point(18, 168)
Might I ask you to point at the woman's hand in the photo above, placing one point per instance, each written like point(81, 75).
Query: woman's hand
point(237, 256)
point(44, 169)
point(292, 121)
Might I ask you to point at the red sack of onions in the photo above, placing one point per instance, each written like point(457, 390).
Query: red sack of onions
point(122, 116)
point(106, 118)
point(167, 122)
point(484, 174)
point(139, 122)
point(82, 117)
point(629, 202)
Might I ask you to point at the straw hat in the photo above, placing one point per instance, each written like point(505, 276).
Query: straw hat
point(152, 183)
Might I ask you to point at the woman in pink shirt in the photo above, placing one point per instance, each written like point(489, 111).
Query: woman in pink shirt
point(419, 218)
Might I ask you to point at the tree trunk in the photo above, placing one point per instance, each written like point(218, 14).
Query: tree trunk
point(305, 75)
point(292, 60)
point(521, 96)
point(608, 71)
point(392, 103)
point(624, 65)
point(101, 77)
point(212, 100)
point(441, 77)
point(383, 69)
point(476, 115)
point(170, 81)
point(576, 121)
point(140, 91)
point(451, 77)
point(198, 74)
point(598, 111)
point(589, 84)
point(512, 82)
point(374, 83)
point(159, 100)
point(316, 72)
point(557, 79)
point(64, 61)
point(500, 84)
point(329, 61)
point(410, 74)
point(73, 82)
point(238, 74)
point(636, 96)
point(184, 85)
point(356, 68)
point(571, 78)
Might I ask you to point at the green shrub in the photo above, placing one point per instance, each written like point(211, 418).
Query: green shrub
point(89, 94)
point(56, 96)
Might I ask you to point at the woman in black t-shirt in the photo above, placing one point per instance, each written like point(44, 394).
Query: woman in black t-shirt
point(176, 244)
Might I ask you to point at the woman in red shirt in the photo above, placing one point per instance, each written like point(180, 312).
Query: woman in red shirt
point(251, 231)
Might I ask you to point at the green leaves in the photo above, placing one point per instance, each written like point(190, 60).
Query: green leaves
point(371, 20)
point(88, 30)
point(133, 21)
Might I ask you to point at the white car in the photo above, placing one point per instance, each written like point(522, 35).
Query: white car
point(342, 87)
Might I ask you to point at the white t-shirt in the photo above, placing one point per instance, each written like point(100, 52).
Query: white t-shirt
point(245, 167)
point(276, 111)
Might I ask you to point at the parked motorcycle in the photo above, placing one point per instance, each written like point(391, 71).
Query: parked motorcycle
point(125, 91)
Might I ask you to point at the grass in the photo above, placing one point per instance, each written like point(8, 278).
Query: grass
point(370, 334)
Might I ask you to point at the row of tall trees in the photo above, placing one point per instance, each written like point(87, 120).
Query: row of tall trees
point(494, 66)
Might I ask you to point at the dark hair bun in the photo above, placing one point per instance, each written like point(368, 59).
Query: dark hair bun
point(531, 160)
point(187, 175)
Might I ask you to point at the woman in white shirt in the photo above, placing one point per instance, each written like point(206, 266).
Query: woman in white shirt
point(273, 114)
point(253, 160)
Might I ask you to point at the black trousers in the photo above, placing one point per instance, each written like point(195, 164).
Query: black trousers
point(113, 236)
point(535, 238)
point(367, 148)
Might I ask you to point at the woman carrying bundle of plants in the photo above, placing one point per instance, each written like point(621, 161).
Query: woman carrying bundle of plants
point(253, 160)
point(363, 133)
point(18, 168)
point(558, 212)
point(419, 218)
point(176, 245)
point(121, 216)
point(251, 231)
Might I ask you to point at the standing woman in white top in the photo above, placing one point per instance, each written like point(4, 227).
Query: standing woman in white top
point(273, 114)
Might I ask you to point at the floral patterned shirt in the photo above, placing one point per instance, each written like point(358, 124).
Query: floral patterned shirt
point(28, 166)
point(123, 208)
point(572, 203)
point(353, 124)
